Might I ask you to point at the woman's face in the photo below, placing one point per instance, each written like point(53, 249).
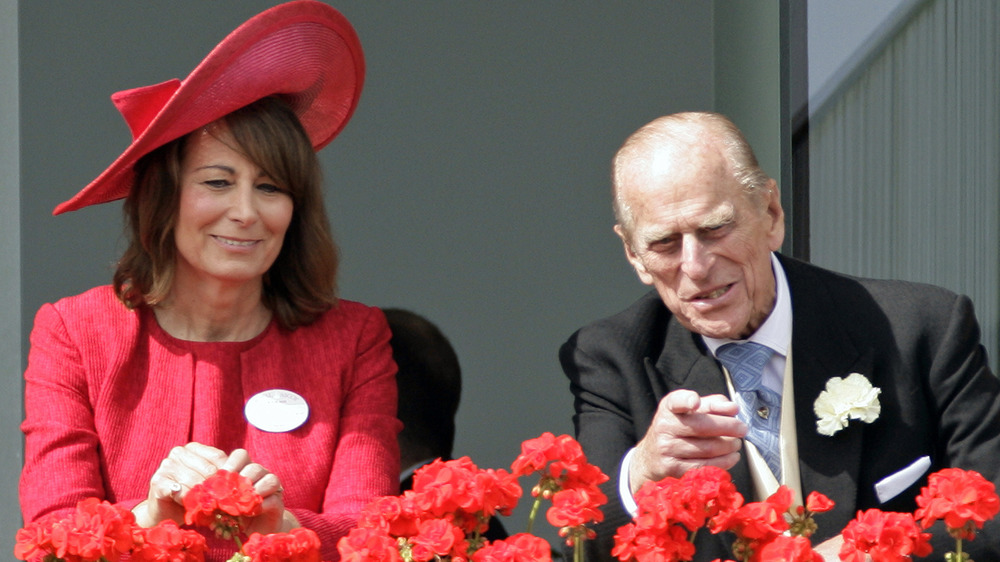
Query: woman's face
point(232, 217)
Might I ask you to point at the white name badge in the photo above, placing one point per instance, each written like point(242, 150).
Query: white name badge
point(276, 410)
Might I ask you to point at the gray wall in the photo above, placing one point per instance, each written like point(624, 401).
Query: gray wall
point(747, 76)
point(471, 185)
point(10, 280)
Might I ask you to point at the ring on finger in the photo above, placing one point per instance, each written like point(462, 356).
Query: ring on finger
point(175, 488)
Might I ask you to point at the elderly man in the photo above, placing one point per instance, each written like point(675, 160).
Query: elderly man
point(700, 223)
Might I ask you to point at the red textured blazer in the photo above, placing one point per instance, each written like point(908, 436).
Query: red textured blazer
point(108, 394)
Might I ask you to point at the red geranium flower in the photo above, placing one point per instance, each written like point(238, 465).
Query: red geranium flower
point(787, 549)
point(221, 502)
point(574, 507)
point(395, 515)
point(801, 521)
point(536, 453)
point(436, 538)
point(818, 503)
point(365, 544)
point(756, 521)
point(521, 547)
point(460, 490)
point(35, 538)
point(297, 545)
point(963, 499)
point(558, 458)
point(96, 530)
point(633, 542)
point(711, 490)
point(885, 536)
point(166, 542)
point(672, 508)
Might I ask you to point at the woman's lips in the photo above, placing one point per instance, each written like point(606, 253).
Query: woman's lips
point(234, 242)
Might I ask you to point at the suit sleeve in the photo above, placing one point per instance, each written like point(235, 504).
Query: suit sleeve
point(604, 427)
point(966, 396)
point(366, 462)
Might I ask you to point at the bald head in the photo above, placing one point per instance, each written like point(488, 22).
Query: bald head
point(668, 144)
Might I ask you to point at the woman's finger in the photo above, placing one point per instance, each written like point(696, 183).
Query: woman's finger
point(237, 461)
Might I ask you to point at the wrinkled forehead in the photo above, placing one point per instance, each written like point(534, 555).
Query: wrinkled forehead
point(671, 212)
point(674, 171)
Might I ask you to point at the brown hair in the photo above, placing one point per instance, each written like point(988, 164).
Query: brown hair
point(301, 283)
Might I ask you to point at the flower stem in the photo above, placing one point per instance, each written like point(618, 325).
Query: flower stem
point(534, 512)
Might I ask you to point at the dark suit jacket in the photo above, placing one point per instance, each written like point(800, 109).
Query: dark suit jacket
point(918, 343)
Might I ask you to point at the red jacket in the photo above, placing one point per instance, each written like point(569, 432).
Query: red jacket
point(108, 393)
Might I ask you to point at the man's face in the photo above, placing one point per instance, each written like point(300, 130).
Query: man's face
point(701, 241)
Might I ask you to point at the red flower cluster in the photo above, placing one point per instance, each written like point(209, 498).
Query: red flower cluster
point(757, 524)
point(567, 479)
point(885, 536)
point(461, 490)
point(297, 545)
point(518, 548)
point(672, 510)
point(368, 544)
point(98, 531)
point(788, 549)
point(95, 531)
point(963, 499)
point(449, 507)
point(167, 542)
point(450, 501)
point(221, 502)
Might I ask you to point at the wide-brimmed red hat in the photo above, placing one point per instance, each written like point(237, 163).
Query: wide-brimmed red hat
point(303, 51)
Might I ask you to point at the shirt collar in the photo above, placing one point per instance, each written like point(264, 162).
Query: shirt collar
point(776, 331)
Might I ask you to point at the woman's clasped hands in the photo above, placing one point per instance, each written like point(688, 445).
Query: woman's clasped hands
point(188, 466)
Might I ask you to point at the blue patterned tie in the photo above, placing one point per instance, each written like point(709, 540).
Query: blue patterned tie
point(761, 407)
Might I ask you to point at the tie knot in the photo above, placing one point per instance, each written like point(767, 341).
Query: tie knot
point(745, 362)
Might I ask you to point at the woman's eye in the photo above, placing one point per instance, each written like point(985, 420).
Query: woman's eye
point(268, 188)
point(217, 183)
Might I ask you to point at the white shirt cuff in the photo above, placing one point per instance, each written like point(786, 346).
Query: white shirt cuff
point(624, 490)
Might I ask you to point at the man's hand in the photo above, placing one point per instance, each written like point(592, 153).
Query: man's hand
point(688, 431)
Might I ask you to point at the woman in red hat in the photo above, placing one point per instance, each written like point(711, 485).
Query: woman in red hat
point(221, 344)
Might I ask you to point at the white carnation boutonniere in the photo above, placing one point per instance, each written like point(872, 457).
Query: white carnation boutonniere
point(851, 397)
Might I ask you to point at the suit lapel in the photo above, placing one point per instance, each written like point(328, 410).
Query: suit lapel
point(685, 363)
point(823, 349)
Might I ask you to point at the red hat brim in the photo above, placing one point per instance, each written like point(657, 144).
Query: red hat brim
point(303, 51)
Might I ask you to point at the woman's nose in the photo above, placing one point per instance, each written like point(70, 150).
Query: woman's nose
point(243, 206)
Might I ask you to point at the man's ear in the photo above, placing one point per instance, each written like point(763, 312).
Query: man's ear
point(776, 232)
point(633, 258)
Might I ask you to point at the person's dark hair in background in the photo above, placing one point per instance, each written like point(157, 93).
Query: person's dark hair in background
point(430, 386)
point(429, 382)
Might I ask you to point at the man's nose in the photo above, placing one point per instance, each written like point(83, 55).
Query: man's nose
point(695, 258)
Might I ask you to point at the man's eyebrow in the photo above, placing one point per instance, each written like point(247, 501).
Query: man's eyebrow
point(721, 215)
